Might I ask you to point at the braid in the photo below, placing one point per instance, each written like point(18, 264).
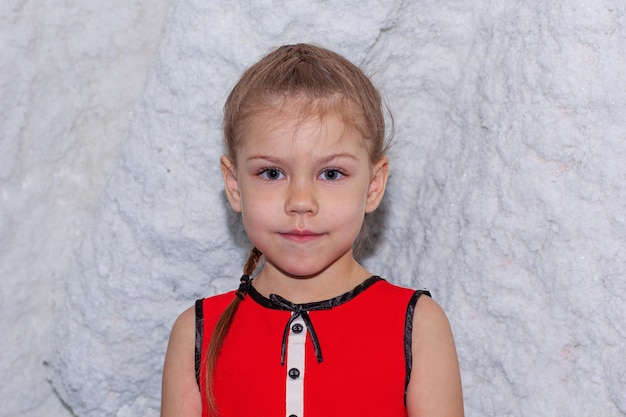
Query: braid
point(252, 261)
point(222, 326)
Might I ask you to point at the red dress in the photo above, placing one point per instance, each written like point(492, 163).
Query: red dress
point(347, 356)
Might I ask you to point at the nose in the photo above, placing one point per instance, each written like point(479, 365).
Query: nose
point(301, 198)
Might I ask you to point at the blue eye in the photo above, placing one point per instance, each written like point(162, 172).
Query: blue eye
point(271, 174)
point(331, 174)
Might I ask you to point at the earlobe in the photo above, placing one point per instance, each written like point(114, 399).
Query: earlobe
point(231, 184)
point(378, 183)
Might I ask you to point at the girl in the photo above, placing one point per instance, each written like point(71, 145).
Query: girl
point(314, 334)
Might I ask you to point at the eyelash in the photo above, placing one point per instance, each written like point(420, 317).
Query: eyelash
point(265, 171)
point(340, 173)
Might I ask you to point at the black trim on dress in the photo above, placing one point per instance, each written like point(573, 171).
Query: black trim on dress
point(317, 305)
point(198, 344)
point(408, 336)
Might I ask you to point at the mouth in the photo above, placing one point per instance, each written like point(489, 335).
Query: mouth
point(301, 236)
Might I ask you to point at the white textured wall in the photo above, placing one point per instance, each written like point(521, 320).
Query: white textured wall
point(507, 197)
point(70, 72)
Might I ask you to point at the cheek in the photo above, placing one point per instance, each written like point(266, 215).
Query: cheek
point(347, 208)
point(253, 199)
point(251, 223)
point(257, 209)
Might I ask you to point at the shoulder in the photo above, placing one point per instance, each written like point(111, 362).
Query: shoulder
point(180, 394)
point(435, 383)
point(183, 333)
point(185, 324)
point(429, 317)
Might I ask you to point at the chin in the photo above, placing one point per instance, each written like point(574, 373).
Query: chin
point(300, 271)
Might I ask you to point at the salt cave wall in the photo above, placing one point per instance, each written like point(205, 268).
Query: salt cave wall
point(507, 197)
point(70, 72)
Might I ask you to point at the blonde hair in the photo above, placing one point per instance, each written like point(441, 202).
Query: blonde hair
point(321, 81)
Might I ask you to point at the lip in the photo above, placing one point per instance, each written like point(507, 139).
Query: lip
point(301, 236)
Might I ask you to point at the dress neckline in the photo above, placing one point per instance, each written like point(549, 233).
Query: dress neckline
point(316, 305)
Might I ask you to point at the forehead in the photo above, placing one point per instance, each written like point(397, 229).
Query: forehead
point(331, 118)
point(288, 132)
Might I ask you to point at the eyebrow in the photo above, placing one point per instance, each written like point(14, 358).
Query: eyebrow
point(323, 160)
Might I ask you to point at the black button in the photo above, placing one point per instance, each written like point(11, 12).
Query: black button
point(297, 328)
point(292, 415)
point(294, 373)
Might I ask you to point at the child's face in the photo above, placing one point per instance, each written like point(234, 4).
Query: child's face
point(303, 188)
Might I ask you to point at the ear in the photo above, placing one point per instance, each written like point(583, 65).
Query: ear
point(231, 184)
point(378, 183)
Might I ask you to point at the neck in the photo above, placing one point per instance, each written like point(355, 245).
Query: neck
point(327, 284)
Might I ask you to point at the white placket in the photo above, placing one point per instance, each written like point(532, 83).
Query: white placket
point(295, 368)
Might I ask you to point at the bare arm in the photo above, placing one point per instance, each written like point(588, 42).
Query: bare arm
point(180, 395)
point(435, 386)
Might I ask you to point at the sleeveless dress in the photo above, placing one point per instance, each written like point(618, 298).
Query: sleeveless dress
point(343, 357)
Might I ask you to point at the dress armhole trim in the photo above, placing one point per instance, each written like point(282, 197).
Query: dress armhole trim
point(199, 334)
point(408, 336)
